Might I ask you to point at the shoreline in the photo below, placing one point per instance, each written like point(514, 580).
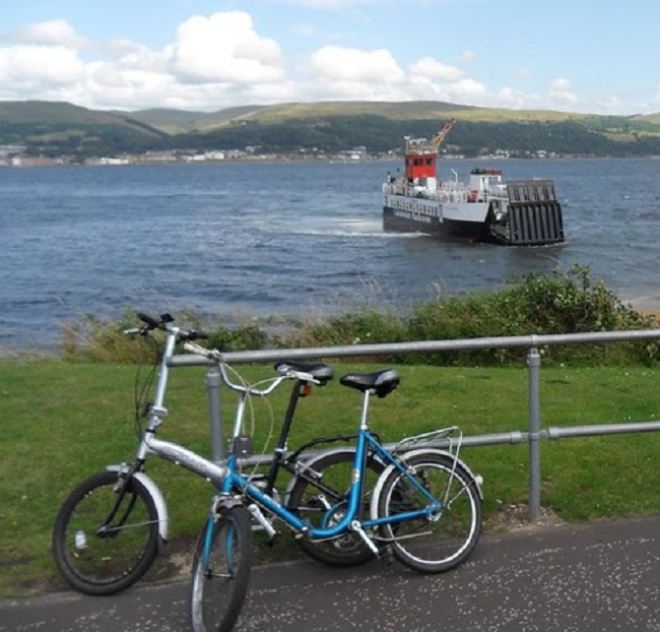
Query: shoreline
point(646, 305)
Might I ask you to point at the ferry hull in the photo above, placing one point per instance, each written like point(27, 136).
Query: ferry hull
point(527, 214)
point(447, 229)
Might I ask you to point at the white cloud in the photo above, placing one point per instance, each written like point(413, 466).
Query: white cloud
point(224, 48)
point(221, 60)
point(118, 47)
point(53, 33)
point(338, 73)
point(41, 67)
point(514, 99)
point(561, 92)
point(435, 70)
point(463, 91)
point(612, 105)
point(334, 63)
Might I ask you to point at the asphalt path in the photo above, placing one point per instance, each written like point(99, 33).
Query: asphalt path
point(601, 577)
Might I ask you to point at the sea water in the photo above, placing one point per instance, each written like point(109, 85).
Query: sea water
point(236, 241)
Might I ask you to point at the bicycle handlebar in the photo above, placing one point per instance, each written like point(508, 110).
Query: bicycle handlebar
point(216, 356)
point(211, 354)
point(153, 323)
point(163, 323)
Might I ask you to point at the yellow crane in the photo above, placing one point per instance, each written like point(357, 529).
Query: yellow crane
point(439, 138)
point(423, 146)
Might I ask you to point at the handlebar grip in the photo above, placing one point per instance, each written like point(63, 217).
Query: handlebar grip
point(148, 320)
point(154, 323)
point(193, 335)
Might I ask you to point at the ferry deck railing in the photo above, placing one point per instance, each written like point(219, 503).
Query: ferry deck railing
point(533, 343)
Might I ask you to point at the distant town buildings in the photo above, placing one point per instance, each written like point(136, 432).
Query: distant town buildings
point(18, 156)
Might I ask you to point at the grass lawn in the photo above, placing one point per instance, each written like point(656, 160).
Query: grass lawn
point(61, 422)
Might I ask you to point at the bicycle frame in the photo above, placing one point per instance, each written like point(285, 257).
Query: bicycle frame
point(213, 471)
point(231, 483)
point(367, 442)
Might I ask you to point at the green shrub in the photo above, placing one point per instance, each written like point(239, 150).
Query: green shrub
point(242, 338)
point(558, 303)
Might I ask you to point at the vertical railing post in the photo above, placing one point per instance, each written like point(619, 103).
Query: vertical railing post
point(213, 381)
point(534, 426)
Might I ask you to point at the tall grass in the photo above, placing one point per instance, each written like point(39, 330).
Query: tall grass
point(561, 302)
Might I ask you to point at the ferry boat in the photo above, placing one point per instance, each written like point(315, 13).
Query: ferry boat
point(483, 209)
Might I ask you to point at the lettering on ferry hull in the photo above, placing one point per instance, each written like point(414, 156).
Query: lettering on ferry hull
point(402, 221)
point(415, 210)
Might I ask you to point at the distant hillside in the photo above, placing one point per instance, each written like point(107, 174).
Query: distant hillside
point(52, 128)
point(178, 122)
point(56, 128)
point(397, 111)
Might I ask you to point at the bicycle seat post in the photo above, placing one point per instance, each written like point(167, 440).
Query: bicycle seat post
point(281, 446)
point(364, 415)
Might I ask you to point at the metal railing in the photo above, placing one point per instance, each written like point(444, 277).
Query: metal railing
point(532, 343)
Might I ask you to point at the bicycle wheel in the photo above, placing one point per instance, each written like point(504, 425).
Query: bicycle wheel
point(221, 571)
point(103, 540)
point(441, 541)
point(319, 495)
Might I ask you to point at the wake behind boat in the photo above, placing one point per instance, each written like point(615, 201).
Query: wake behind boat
point(483, 209)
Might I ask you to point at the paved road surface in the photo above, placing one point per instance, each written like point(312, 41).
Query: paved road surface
point(596, 578)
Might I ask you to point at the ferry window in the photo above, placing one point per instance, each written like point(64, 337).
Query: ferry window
point(429, 161)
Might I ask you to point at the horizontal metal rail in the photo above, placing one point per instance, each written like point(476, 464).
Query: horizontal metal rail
point(502, 438)
point(532, 343)
point(426, 346)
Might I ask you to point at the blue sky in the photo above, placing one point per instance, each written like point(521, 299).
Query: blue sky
point(205, 55)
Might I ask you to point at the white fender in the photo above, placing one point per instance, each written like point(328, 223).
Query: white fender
point(156, 495)
point(378, 490)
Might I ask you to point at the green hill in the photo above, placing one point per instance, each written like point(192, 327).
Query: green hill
point(54, 128)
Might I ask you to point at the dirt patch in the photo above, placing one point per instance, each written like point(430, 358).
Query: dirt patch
point(516, 518)
point(174, 561)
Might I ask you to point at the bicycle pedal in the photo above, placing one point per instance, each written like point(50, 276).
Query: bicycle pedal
point(164, 548)
point(386, 555)
point(272, 540)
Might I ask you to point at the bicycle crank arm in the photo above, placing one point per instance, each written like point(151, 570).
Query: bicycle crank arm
point(359, 529)
point(258, 516)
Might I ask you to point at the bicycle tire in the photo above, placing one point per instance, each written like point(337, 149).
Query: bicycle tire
point(439, 543)
point(311, 499)
point(104, 563)
point(219, 587)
